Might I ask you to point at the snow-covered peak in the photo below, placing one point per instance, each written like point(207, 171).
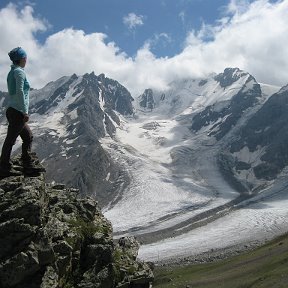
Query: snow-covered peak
point(192, 95)
point(230, 76)
point(62, 93)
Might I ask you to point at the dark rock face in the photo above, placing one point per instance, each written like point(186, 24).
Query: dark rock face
point(146, 100)
point(117, 96)
point(229, 76)
point(202, 82)
point(223, 116)
point(267, 129)
point(49, 237)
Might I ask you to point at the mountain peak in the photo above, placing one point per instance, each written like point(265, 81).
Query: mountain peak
point(229, 76)
point(101, 77)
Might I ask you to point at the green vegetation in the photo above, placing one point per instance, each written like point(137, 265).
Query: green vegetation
point(123, 266)
point(88, 229)
point(265, 267)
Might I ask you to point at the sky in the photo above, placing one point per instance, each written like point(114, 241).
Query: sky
point(146, 43)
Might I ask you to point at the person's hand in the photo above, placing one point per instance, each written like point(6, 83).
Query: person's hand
point(26, 117)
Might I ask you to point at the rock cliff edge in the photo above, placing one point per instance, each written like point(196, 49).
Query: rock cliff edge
point(50, 238)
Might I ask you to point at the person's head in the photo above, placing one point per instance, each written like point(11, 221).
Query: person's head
point(18, 56)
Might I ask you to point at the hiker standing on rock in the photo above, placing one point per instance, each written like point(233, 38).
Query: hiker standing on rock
point(17, 114)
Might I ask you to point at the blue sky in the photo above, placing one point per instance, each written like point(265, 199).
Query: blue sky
point(163, 22)
point(146, 43)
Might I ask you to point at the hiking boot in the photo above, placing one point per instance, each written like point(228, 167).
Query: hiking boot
point(8, 171)
point(31, 167)
point(17, 168)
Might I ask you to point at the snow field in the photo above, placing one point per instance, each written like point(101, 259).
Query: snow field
point(157, 198)
point(152, 193)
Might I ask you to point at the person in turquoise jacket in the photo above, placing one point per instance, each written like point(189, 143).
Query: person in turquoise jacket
point(17, 114)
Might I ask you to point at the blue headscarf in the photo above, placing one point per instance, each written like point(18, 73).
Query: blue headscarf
point(17, 54)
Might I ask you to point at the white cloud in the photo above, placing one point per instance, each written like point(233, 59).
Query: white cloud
point(252, 37)
point(17, 28)
point(132, 20)
point(182, 16)
point(238, 6)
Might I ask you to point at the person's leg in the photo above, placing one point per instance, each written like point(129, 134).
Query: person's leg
point(27, 138)
point(29, 164)
point(15, 127)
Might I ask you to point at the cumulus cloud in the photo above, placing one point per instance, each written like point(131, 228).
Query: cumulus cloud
point(251, 36)
point(18, 27)
point(132, 20)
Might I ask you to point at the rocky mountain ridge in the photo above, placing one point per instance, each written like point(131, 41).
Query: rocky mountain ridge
point(50, 237)
point(68, 117)
point(72, 115)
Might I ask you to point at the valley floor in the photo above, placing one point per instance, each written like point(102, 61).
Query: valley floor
point(264, 267)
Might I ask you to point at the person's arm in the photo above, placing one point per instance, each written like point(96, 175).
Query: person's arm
point(20, 78)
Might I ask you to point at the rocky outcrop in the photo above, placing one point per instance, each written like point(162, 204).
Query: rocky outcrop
point(146, 100)
point(229, 76)
point(49, 237)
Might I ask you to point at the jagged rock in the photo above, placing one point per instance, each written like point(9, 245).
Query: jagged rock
point(229, 76)
point(146, 100)
point(129, 245)
point(49, 237)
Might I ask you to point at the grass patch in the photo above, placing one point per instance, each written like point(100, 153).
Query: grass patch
point(265, 267)
point(88, 229)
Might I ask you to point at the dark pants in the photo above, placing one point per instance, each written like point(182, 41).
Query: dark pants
point(17, 127)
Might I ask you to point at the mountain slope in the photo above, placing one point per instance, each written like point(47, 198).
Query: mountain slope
point(260, 151)
point(217, 106)
point(68, 118)
point(223, 115)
